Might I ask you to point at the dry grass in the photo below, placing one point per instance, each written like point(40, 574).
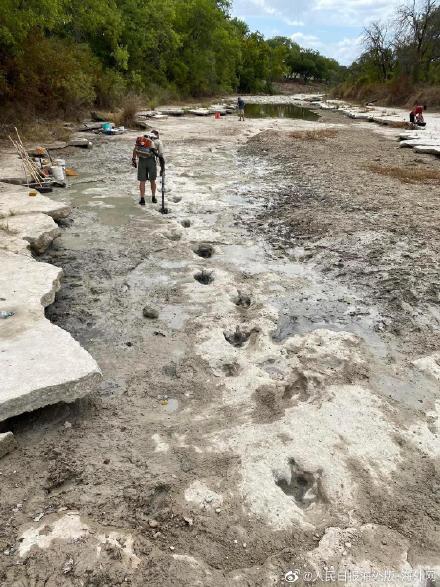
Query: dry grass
point(395, 124)
point(127, 116)
point(40, 131)
point(399, 92)
point(407, 174)
point(314, 135)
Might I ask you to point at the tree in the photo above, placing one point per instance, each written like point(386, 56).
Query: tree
point(254, 70)
point(65, 54)
point(416, 33)
point(379, 46)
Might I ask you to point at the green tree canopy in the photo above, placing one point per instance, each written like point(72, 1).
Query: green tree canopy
point(69, 53)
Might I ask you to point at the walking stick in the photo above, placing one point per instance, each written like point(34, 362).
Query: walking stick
point(163, 210)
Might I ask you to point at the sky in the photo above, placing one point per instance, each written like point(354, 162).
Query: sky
point(333, 27)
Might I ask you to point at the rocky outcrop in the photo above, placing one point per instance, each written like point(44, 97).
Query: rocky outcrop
point(15, 201)
point(7, 443)
point(40, 364)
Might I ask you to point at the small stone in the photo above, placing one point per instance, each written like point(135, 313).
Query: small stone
point(235, 541)
point(189, 521)
point(106, 461)
point(344, 553)
point(172, 548)
point(347, 545)
point(38, 517)
point(218, 511)
point(186, 223)
point(153, 524)
point(68, 566)
point(384, 542)
point(157, 534)
point(173, 235)
point(7, 444)
point(244, 544)
point(67, 425)
point(150, 313)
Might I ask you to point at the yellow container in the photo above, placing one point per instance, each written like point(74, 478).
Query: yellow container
point(33, 193)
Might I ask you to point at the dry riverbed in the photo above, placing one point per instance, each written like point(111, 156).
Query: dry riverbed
point(280, 416)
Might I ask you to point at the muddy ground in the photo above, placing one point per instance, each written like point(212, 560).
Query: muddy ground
point(269, 423)
point(377, 233)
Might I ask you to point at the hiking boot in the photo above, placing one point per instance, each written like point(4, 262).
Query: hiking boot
point(154, 200)
point(142, 202)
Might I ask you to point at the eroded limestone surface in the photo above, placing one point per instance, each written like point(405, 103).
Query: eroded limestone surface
point(15, 201)
point(40, 364)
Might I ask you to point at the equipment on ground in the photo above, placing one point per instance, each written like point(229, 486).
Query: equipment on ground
point(163, 209)
point(34, 176)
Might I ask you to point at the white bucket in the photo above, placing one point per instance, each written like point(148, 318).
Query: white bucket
point(58, 174)
point(60, 162)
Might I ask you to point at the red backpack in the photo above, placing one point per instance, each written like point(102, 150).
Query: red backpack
point(145, 147)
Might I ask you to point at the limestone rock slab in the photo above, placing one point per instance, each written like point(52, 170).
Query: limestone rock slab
point(15, 201)
point(37, 229)
point(426, 149)
point(7, 443)
point(40, 364)
point(26, 283)
point(13, 244)
point(11, 167)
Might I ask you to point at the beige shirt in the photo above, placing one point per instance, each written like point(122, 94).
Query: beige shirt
point(159, 146)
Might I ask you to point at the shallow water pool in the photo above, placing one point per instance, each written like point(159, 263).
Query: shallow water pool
point(279, 111)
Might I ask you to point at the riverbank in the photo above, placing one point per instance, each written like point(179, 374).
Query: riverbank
point(248, 431)
point(30, 377)
point(368, 216)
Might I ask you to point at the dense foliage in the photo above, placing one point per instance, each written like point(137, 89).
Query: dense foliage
point(401, 58)
point(61, 55)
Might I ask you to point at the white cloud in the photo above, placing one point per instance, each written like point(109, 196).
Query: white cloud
point(344, 51)
point(307, 41)
point(318, 12)
point(265, 6)
point(332, 27)
point(352, 12)
point(347, 50)
point(294, 22)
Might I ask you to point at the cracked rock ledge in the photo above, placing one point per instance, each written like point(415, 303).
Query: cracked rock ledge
point(40, 364)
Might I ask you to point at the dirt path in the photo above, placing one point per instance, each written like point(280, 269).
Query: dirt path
point(270, 420)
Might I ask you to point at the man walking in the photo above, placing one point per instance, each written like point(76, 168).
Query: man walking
point(144, 158)
point(241, 105)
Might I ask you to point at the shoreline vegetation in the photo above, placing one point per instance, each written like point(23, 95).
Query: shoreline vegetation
point(58, 59)
point(400, 64)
